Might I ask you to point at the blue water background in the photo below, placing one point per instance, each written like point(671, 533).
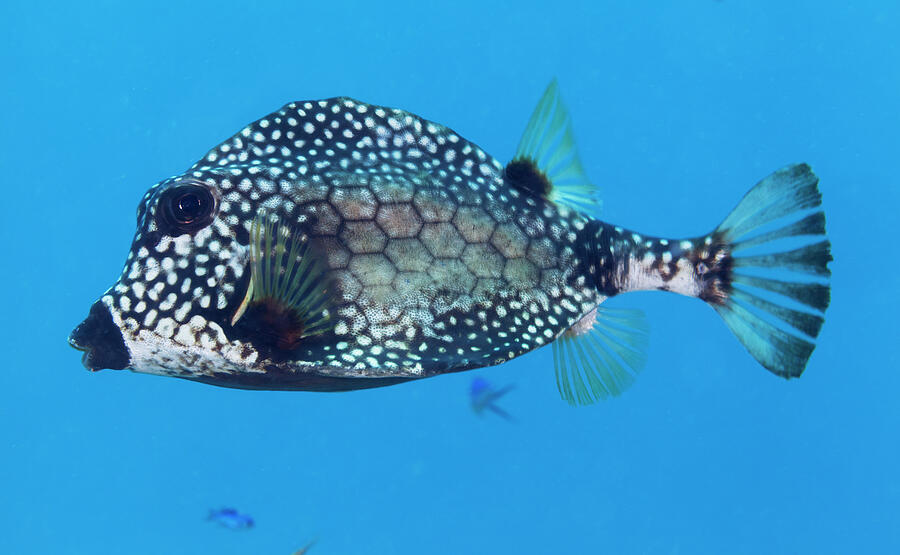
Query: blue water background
point(679, 107)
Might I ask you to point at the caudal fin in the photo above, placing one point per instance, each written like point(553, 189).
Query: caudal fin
point(771, 284)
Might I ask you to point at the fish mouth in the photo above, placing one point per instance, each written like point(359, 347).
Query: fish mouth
point(100, 341)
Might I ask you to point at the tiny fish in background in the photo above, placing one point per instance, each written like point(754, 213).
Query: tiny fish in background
point(231, 519)
point(336, 245)
point(304, 549)
point(483, 396)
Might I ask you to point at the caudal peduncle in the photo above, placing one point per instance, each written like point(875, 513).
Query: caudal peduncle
point(621, 260)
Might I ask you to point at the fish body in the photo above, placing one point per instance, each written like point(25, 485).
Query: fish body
point(231, 518)
point(336, 245)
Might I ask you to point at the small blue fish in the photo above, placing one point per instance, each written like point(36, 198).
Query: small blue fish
point(231, 518)
point(483, 396)
point(304, 549)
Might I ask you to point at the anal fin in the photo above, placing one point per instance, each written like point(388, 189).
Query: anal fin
point(600, 356)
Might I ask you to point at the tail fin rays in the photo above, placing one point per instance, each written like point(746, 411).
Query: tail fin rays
point(814, 295)
point(811, 259)
point(781, 338)
point(781, 353)
point(784, 192)
point(814, 224)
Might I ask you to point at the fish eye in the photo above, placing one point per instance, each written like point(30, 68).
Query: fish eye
point(186, 208)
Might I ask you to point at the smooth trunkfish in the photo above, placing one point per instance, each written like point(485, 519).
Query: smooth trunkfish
point(336, 245)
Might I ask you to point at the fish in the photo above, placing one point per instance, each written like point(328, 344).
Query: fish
point(336, 245)
point(231, 518)
point(483, 396)
point(305, 548)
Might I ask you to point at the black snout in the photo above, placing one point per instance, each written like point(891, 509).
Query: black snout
point(100, 340)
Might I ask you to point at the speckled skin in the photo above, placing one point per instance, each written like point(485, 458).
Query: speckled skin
point(435, 262)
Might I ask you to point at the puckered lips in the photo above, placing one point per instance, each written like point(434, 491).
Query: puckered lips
point(100, 340)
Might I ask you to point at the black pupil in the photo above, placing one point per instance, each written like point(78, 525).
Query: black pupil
point(188, 207)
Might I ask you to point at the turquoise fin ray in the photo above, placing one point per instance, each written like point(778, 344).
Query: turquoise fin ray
point(812, 294)
point(547, 162)
point(814, 224)
point(600, 362)
point(809, 324)
point(788, 190)
point(810, 259)
point(781, 353)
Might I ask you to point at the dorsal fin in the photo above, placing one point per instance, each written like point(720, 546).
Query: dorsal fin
point(546, 162)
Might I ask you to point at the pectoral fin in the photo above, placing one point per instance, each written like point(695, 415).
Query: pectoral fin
point(288, 298)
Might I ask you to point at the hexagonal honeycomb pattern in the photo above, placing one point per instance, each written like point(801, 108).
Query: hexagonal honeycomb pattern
point(434, 205)
point(509, 240)
point(354, 203)
point(408, 255)
point(452, 275)
point(407, 243)
point(363, 237)
point(522, 272)
point(474, 224)
point(442, 240)
point(399, 220)
point(372, 269)
point(483, 260)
